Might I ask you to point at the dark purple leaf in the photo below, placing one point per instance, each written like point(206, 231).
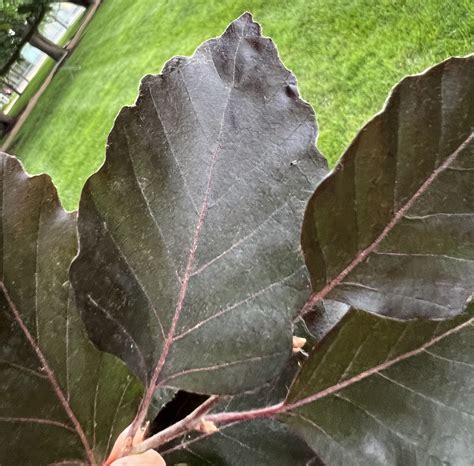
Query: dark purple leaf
point(189, 266)
point(382, 391)
point(391, 230)
point(61, 399)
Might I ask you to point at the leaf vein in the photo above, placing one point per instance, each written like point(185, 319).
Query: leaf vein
point(242, 240)
point(24, 369)
point(34, 420)
point(422, 395)
point(50, 374)
point(362, 255)
point(453, 361)
point(123, 330)
point(332, 439)
point(137, 279)
point(218, 367)
point(376, 419)
point(146, 401)
point(149, 210)
point(171, 151)
point(236, 305)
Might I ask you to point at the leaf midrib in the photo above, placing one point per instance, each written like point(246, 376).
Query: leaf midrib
point(363, 254)
point(50, 375)
point(187, 275)
point(376, 369)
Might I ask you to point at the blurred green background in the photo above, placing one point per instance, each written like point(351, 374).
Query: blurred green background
point(346, 54)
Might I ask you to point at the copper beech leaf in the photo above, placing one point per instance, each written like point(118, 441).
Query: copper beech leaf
point(189, 266)
point(381, 391)
point(62, 401)
point(391, 230)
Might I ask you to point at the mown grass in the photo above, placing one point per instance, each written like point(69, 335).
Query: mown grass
point(346, 54)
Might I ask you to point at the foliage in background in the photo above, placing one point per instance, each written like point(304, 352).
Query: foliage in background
point(346, 54)
point(16, 16)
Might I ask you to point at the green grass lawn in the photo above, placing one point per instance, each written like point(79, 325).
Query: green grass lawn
point(346, 54)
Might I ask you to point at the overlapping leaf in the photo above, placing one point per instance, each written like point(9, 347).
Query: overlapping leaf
point(380, 391)
point(392, 229)
point(189, 266)
point(62, 401)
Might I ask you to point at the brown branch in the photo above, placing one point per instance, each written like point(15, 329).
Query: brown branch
point(190, 422)
point(224, 418)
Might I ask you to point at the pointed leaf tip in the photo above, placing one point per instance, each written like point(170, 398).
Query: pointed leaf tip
point(186, 241)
